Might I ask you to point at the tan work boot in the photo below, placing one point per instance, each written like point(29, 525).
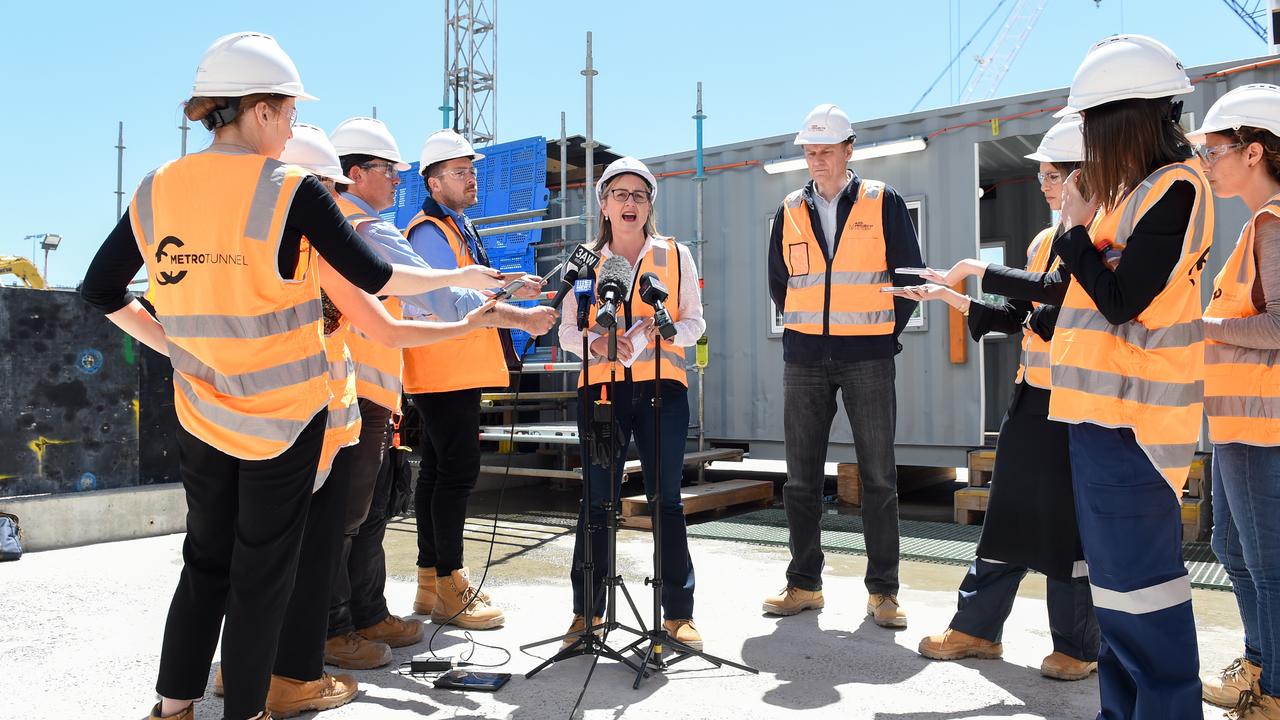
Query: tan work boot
point(955, 645)
point(288, 697)
point(1061, 666)
point(1224, 688)
point(884, 610)
point(187, 713)
point(683, 631)
point(394, 631)
point(792, 600)
point(457, 603)
point(1253, 705)
point(218, 689)
point(353, 652)
point(425, 600)
point(578, 625)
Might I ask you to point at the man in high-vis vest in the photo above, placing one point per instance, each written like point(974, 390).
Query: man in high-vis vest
point(834, 245)
point(361, 629)
point(444, 381)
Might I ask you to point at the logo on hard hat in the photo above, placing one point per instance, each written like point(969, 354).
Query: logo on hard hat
point(164, 277)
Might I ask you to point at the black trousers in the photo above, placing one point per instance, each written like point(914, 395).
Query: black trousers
point(450, 467)
point(306, 621)
point(245, 523)
point(357, 597)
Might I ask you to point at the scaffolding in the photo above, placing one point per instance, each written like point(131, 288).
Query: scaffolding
point(470, 69)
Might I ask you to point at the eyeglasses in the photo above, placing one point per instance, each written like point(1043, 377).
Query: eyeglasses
point(1053, 178)
point(1210, 154)
point(387, 169)
point(639, 197)
point(460, 173)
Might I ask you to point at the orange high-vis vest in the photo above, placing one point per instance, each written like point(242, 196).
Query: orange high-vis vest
point(843, 297)
point(1033, 366)
point(343, 426)
point(246, 344)
point(378, 368)
point(1147, 374)
point(1241, 385)
point(663, 260)
point(474, 360)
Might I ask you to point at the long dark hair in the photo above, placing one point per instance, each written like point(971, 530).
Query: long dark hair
point(1124, 141)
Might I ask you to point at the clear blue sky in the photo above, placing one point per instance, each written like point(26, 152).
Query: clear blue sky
point(76, 68)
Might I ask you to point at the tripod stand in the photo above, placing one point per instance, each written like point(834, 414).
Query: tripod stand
point(586, 641)
point(659, 641)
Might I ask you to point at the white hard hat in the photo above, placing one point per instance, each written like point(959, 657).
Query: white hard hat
point(366, 136)
point(1121, 67)
point(1063, 143)
point(310, 149)
point(444, 145)
point(245, 63)
point(627, 165)
point(1256, 105)
point(825, 125)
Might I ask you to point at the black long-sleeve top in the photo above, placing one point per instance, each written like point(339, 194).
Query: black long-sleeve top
point(312, 213)
point(1150, 255)
point(902, 249)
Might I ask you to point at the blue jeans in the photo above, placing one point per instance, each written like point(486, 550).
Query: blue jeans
point(633, 408)
point(1246, 539)
point(1131, 529)
point(986, 599)
point(809, 406)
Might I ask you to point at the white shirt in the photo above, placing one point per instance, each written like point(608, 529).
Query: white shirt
point(689, 327)
point(827, 213)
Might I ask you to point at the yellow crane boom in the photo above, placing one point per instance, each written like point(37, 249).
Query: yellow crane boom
point(24, 269)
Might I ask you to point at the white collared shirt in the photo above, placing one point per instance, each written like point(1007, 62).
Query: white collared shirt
point(827, 212)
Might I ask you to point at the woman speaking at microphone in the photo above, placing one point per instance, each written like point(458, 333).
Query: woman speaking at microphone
point(627, 230)
point(238, 312)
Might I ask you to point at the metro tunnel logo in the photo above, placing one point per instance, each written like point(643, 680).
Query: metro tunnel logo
point(164, 255)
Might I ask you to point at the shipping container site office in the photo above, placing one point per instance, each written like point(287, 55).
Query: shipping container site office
point(947, 405)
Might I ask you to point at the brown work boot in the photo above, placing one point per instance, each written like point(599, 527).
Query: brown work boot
point(884, 610)
point(187, 713)
point(1253, 705)
point(425, 600)
point(457, 603)
point(954, 645)
point(578, 625)
point(683, 631)
point(394, 631)
point(353, 652)
point(791, 600)
point(1061, 666)
point(218, 689)
point(288, 697)
point(1224, 688)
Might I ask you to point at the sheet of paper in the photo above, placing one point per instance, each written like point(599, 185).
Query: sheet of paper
point(639, 341)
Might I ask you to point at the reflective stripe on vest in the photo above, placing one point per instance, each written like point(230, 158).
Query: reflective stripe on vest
point(662, 259)
point(842, 298)
point(1241, 385)
point(342, 428)
point(246, 344)
point(1147, 373)
point(474, 360)
point(378, 367)
point(1033, 366)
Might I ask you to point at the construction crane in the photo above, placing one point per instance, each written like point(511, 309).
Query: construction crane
point(24, 269)
point(1252, 14)
point(994, 63)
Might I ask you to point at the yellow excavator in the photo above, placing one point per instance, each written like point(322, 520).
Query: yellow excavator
point(24, 269)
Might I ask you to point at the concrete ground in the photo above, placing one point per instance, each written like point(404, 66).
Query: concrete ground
point(81, 629)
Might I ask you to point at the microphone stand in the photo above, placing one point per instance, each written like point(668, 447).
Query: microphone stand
point(660, 642)
point(585, 641)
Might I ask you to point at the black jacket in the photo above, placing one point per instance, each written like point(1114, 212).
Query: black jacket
point(902, 249)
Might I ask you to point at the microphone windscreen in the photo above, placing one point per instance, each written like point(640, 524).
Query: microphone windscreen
point(616, 270)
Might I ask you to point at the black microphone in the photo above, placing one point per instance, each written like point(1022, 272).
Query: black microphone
point(615, 283)
point(583, 258)
point(653, 292)
point(585, 289)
